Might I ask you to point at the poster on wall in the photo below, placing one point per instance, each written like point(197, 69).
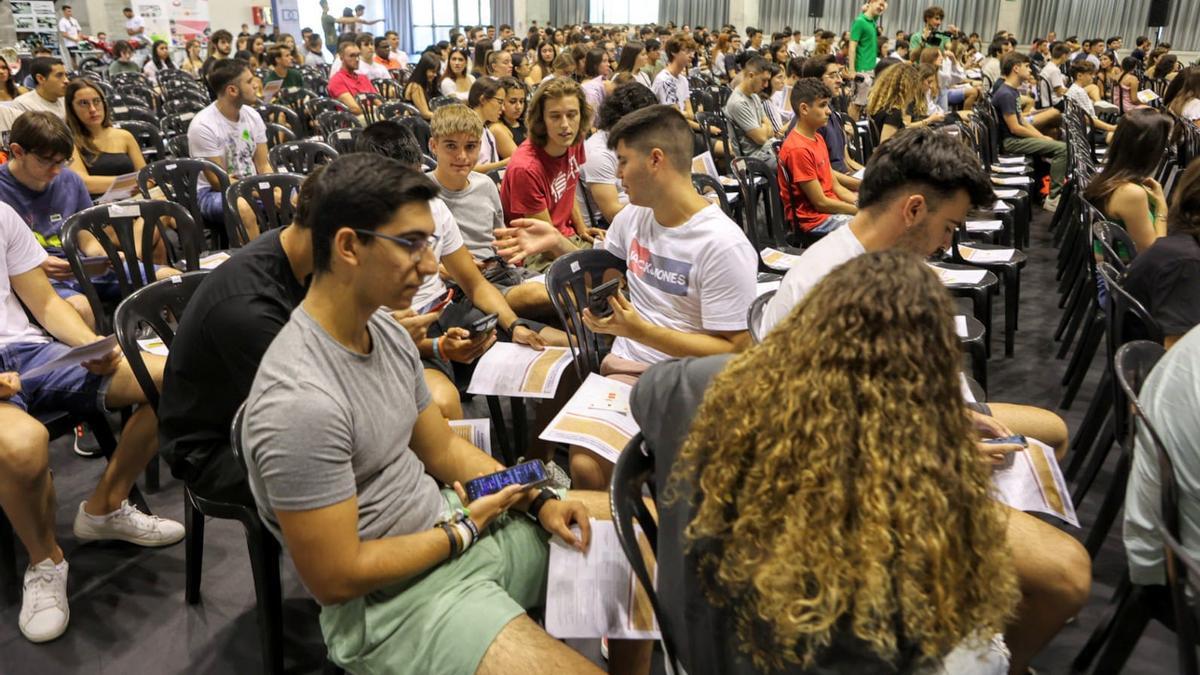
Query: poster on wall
point(189, 19)
point(36, 21)
point(154, 14)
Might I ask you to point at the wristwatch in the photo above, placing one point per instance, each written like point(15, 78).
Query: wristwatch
point(531, 325)
point(538, 502)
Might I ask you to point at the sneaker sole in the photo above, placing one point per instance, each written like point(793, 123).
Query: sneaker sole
point(147, 543)
point(48, 638)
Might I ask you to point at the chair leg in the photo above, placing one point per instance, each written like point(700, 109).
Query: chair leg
point(1098, 455)
point(1130, 622)
point(1012, 281)
point(520, 431)
point(193, 523)
point(1084, 355)
point(499, 431)
point(979, 365)
point(264, 562)
point(1109, 509)
point(1093, 422)
point(9, 577)
point(1073, 316)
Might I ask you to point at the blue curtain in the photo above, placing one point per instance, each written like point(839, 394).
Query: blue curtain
point(708, 13)
point(398, 14)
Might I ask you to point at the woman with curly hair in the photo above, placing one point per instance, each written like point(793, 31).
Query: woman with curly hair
point(895, 99)
point(834, 511)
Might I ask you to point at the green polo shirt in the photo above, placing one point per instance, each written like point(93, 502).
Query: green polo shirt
point(865, 33)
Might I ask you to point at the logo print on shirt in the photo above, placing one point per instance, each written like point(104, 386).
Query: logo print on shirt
point(666, 274)
point(559, 185)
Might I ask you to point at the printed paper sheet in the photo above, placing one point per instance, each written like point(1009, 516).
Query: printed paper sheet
point(778, 259)
point(1035, 482)
point(597, 417)
point(516, 370)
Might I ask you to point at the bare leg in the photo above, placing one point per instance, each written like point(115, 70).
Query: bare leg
point(589, 471)
point(1034, 422)
point(139, 438)
point(531, 301)
point(81, 305)
point(523, 647)
point(444, 393)
point(1055, 575)
point(248, 218)
point(26, 490)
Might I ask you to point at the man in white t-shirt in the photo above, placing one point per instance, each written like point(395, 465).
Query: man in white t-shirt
point(50, 78)
point(26, 487)
point(1053, 75)
point(69, 33)
point(691, 270)
point(135, 29)
point(231, 134)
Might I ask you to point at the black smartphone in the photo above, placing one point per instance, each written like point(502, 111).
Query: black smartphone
point(483, 325)
point(1015, 440)
point(598, 297)
point(529, 474)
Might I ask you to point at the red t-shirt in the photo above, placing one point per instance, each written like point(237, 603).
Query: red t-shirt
point(805, 159)
point(354, 84)
point(534, 182)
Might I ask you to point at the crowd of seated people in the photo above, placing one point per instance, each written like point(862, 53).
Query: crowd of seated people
point(345, 334)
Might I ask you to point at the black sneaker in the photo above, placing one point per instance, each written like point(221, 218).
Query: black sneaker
point(85, 442)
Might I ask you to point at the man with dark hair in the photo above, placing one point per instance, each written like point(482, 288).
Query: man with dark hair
point(1083, 73)
point(600, 171)
point(395, 54)
point(1052, 73)
point(864, 53)
point(220, 46)
point(135, 28)
point(813, 201)
point(281, 64)
point(745, 109)
point(230, 322)
point(829, 71)
point(933, 17)
point(348, 82)
point(314, 54)
point(753, 39)
point(339, 395)
point(691, 270)
point(70, 33)
point(50, 85)
point(230, 133)
point(1024, 134)
point(1112, 46)
point(1141, 48)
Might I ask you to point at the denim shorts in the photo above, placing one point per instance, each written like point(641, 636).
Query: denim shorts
point(107, 286)
point(212, 204)
point(71, 389)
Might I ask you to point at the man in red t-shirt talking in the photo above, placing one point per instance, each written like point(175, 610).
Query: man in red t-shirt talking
point(543, 173)
point(812, 200)
point(349, 82)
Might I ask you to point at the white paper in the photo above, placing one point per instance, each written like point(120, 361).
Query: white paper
point(985, 225)
point(860, 173)
point(509, 369)
point(213, 261)
point(778, 259)
point(153, 346)
point(703, 163)
point(952, 277)
point(1034, 482)
point(1007, 194)
point(766, 287)
point(75, 357)
point(590, 595)
point(124, 186)
point(966, 388)
point(990, 255)
point(586, 421)
point(960, 325)
point(477, 432)
point(271, 89)
point(1001, 206)
point(1011, 180)
point(1011, 160)
point(1147, 96)
point(539, 279)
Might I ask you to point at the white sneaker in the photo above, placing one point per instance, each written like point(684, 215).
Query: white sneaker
point(44, 610)
point(127, 524)
point(1051, 204)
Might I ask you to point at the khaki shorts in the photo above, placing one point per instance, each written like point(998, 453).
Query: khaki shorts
point(541, 262)
point(862, 89)
point(443, 621)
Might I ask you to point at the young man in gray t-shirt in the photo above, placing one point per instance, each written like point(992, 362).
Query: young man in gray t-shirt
point(756, 136)
point(345, 456)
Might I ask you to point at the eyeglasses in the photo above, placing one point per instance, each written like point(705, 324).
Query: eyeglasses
point(416, 244)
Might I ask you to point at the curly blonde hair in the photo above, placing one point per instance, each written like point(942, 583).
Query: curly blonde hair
point(896, 87)
point(838, 486)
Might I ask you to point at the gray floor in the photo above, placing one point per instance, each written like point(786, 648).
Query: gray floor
point(128, 613)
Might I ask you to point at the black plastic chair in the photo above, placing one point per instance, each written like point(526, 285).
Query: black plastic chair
point(277, 134)
point(301, 157)
point(711, 188)
point(176, 123)
point(284, 116)
point(568, 281)
point(396, 109)
point(259, 193)
point(148, 137)
point(344, 140)
point(1009, 271)
point(1183, 572)
point(179, 180)
point(756, 181)
point(177, 146)
point(370, 103)
point(387, 88)
point(133, 80)
point(313, 108)
point(420, 129)
point(439, 101)
point(120, 217)
point(754, 316)
point(124, 113)
point(332, 120)
point(632, 475)
point(184, 103)
point(980, 295)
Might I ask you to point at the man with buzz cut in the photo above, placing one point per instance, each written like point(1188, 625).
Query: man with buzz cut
point(346, 455)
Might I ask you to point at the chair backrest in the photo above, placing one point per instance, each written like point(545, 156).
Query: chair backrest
point(369, 103)
point(177, 146)
point(281, 114)
point(1112, 239)
point(440, 101)
point(420, 129)
point(394, 109)
point(710, 187)
point(754, 316)
point(177, 178)
point(758, 185)
point(158, 306)
point(332, 120)
point(259, 192)
point(277, 133)
point(344, 140)
point(148, 137)
point(176, 123)
point(134, 112)
point(1127, 320)
point(301, 156)
point(183, 104)
point(387, 88)
point(568, 281)
point(130, 80)
point(633, 473)
point(122, 254)
point(235, 434)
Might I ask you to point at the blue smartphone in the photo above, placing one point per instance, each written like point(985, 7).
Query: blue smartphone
point(529, 474)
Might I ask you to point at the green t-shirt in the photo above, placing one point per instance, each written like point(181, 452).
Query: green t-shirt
point(918, 40)
point(866, 35)
point(292, 79)
point(329, 27)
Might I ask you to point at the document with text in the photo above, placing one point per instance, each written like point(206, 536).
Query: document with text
point(597, 417)
point(509, 369)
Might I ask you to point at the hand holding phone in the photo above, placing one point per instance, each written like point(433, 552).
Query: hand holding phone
point(482, 326)
point(529, 474)
point(999, 451)
point(598, 298)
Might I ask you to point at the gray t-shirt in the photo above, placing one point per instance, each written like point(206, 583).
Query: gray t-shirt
point(324, 424)
point(747, 113)
point(477, 211)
